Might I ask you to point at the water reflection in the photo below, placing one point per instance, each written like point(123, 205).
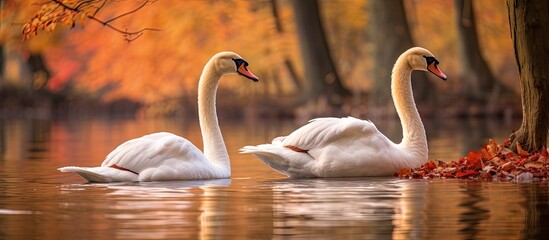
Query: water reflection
point(398, 209)
point(339, 207)
point(37, 202)
point(158, 210)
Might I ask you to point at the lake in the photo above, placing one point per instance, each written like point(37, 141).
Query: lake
point(38, 202)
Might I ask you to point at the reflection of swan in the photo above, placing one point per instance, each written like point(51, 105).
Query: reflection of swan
point(163, 186)
point(346, 208)
point(345, 147)
point(165, 156)
point(350, 199)
point(148, 210)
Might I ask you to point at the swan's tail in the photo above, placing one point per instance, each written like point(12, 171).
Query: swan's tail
point(101, 174)
point(290, 163)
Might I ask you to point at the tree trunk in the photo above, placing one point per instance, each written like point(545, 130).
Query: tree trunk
point(287, 62)
point(321, 75)
point(39, 70)
point(391, 36)
point(528, 20)
point(2, 60)
point(480, 83)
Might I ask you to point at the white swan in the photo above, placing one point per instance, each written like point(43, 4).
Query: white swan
point(165, 156)
point(350, 147)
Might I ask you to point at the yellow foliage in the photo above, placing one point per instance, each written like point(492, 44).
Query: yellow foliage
point(167, 64)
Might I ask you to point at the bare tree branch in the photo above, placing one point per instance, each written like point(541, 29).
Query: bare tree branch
point(100, 7)
point(49, 16)
point(128, 13)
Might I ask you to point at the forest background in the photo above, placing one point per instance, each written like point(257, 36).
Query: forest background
point(314, 58)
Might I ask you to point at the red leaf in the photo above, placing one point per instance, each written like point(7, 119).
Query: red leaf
point(544, 152)
point(486, 175)
point(430, 165)
point(474, 159)
point(534, 166)
point(507, 142)
point(505, 152)
point(466, 173)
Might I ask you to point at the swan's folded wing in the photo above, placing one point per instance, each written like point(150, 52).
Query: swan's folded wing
point(322, 131)
point(152, 151)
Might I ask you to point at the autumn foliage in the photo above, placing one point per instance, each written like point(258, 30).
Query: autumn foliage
point(492, 162)
point(48, 17)
point(87, 57)
point(69, 12)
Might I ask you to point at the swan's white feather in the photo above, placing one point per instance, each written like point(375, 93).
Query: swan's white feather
point(321, 131)
point(155, 157)
point(163, 156)
point(101, 174)
point(291, 163)
point(335, 147)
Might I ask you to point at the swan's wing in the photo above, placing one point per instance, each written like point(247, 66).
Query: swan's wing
point(152, 150)
point(331, 147)
point(343, 147)
point(320, 132)
point(101, 174)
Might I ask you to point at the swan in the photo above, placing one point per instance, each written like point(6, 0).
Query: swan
point(350, 147)
point(164, 156)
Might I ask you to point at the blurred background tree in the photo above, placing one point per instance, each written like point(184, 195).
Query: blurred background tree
point(314, 57)
point(391, 37)
point(322, 79)
point(481, 88)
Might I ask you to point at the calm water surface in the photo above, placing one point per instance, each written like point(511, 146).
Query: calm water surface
point(37, 202)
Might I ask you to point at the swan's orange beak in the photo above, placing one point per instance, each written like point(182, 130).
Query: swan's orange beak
point(243, 70)
point(434, 69)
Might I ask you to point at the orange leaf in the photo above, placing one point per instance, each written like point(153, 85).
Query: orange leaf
point(403, 172)
point(543, 159)
point(521, 151)
point(492, 148)
point(507, 166)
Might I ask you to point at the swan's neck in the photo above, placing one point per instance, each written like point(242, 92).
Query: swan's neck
point(413, 131)
point(214, 146)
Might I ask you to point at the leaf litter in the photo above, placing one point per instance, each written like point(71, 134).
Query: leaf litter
point(493, 162)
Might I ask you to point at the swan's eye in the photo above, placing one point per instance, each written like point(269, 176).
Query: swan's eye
point(431, 60)
point(239, 62)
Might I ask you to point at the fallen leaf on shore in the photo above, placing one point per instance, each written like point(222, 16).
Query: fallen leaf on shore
point(492, 162)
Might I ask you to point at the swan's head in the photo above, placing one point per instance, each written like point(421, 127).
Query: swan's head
point(423, 60)
point(232, 63)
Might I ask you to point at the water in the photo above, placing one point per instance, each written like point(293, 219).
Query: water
point(38, 202)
